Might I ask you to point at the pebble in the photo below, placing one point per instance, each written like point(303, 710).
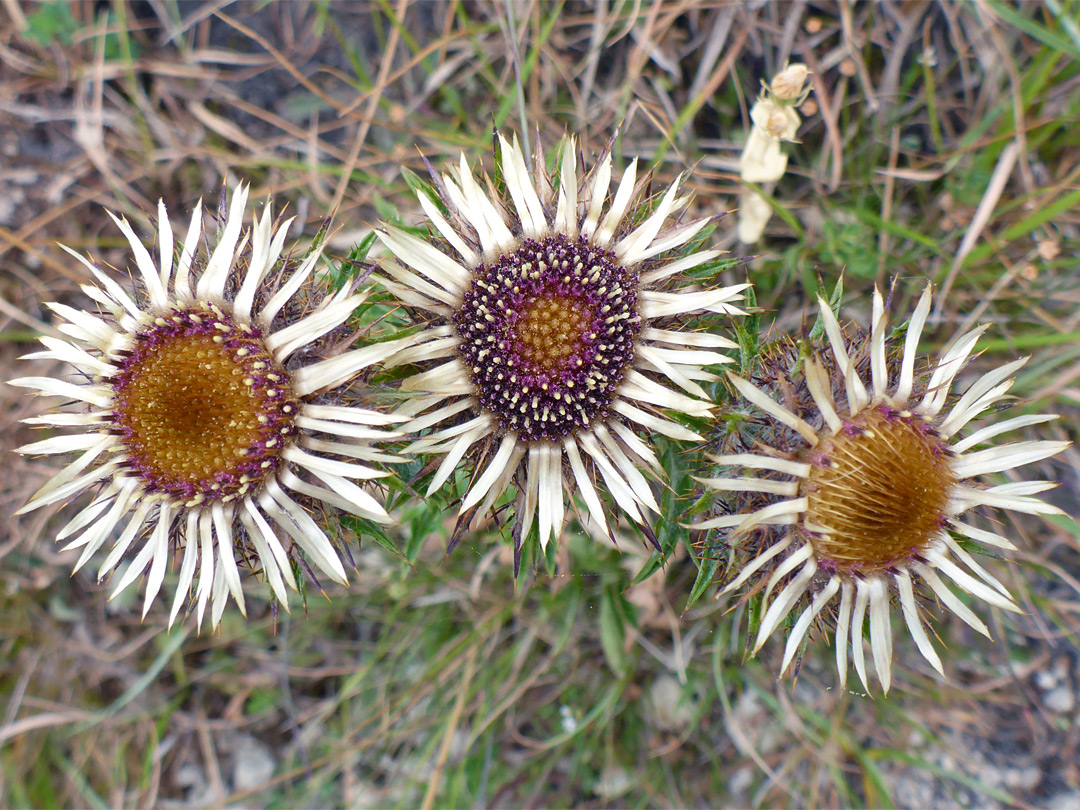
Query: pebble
point(253, 763)
point(1060, 700)
point(741, 780)
point(1066, 800)
point(363, 795)
point(912, 791)
point(1045, 680)
point(1023, 778)
point(197, 792)
point(667, 707)
point(614, 782)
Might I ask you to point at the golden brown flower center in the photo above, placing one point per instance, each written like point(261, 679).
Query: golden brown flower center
point(877, 491)
point(202, 411)
point(550, 329)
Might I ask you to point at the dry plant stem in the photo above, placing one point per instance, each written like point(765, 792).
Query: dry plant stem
point(855, 55)
point(890, 82)
point(887, 204)
point(1016, 92)
point(19, 241)
point(983, 213)
point(373, 103)
point(43, 720)
point(715, 43)
point(451, 728)
point(280, 58)
point(829, 116)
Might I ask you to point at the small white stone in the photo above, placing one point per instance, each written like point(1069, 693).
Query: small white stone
point(363, 796)
point(190, 775)
point(910, 791)
point(1066, 800)
point(1060, 700)
point(569, 722)
point(747, 707)
point(989, 775)
point(1045, 679)
point(253, 763)
point(1023, 778)
point(613, 782)
point(741, 780)
point(192, 780)
point(667, 706)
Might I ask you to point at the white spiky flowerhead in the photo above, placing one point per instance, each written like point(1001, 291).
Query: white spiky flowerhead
point(198, 413)
point(553, 335)
point(878, 487)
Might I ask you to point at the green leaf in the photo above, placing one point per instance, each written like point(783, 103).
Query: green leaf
point(612, 632)
point(747, 333)
point(261, 700)
point(52, 22)
point(369, 528)
point(834, 304)
point(1045, 213)
point(708, 565)
point(421, 185)
point(350, 267)
point(169, 643)
point(668, 529)
point(423, 519)
point(1048, 38)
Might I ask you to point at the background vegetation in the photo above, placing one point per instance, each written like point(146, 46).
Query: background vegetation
point(939, 143)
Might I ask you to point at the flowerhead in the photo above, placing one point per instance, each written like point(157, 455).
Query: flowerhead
point(199, 419)
point(552, 336)
point(872, 501)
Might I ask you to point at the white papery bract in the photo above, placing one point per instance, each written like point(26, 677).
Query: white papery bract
point(877, 492)
point(199, 418)
point(552, 335)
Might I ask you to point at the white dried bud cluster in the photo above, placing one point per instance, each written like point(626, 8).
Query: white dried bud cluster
point(763, 161)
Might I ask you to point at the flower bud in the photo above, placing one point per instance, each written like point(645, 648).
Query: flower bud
point(774, 120)
point(787, 85)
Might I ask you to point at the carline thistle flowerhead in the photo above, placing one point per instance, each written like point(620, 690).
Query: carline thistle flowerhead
point(877, 488)
point(199, 412)
point(552, 336)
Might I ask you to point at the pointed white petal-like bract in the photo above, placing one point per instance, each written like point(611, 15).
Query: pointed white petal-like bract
point(858, 617)
point(211, 284)
point(774, 409)
point(784, 602)
point(843, 624)
point(911, 347)
point(797, 633)
point(914, 623)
